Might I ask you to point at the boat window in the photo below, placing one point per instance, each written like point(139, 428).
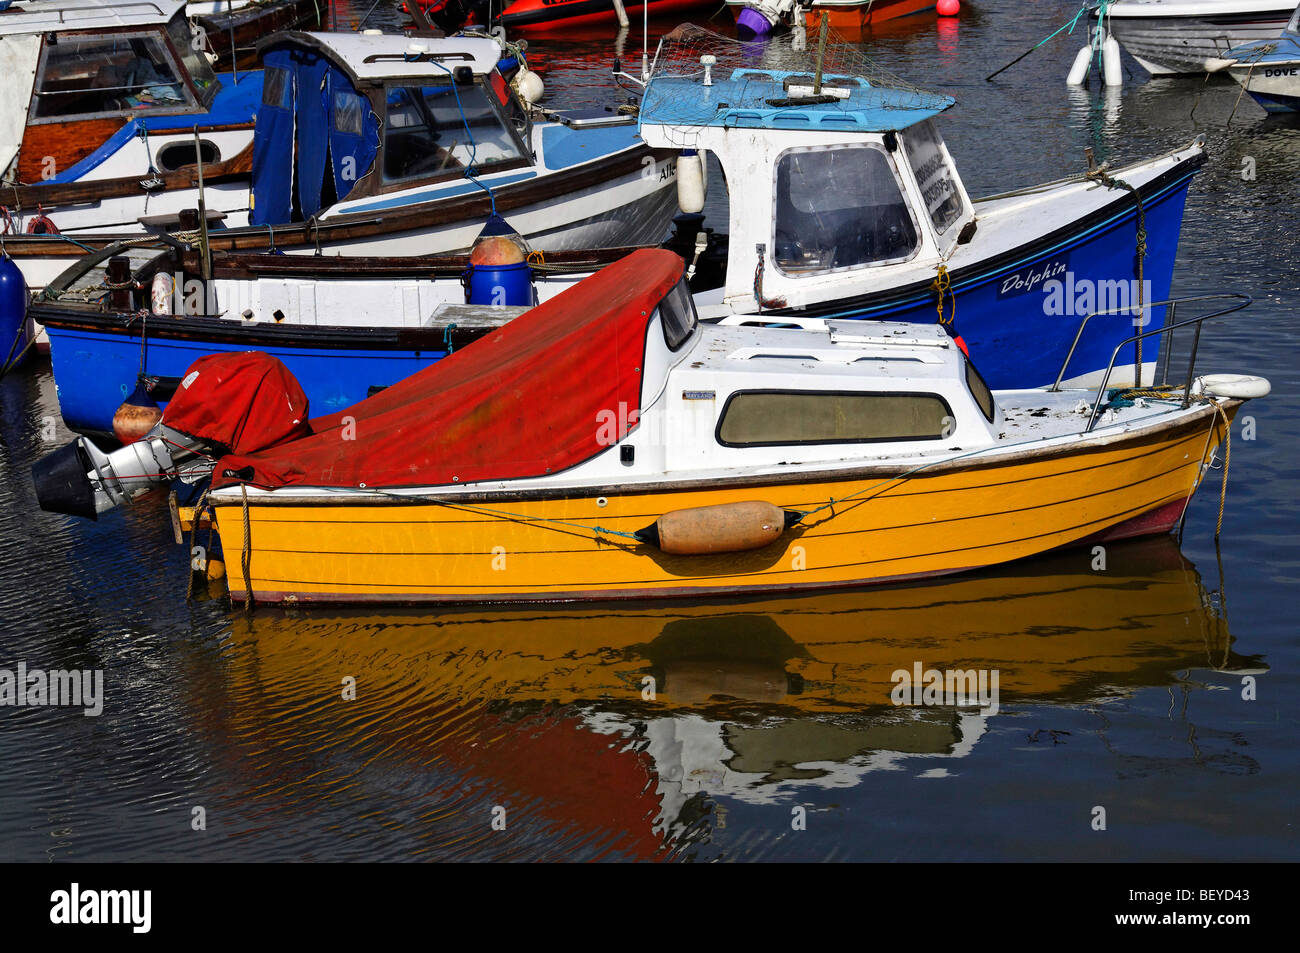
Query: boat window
point(980, 391)
point(425, 132)
point(190, 46)
point(277, 87)
point(839, 208)
point(934, 174)
point(93, 75)
point(1294, 25)
point(768, 418)
point(177, 154)
point(677, 315)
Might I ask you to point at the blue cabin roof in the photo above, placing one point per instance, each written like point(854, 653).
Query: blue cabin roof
point(758, 99)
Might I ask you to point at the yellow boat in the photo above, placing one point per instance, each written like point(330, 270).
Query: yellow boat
point(607, 445)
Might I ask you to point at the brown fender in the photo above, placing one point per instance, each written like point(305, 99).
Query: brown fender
point(724, 528)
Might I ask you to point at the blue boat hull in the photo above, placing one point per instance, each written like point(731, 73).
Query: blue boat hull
point(94, 371)
point(1016, 322)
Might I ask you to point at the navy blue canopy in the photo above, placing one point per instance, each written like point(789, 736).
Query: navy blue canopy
point(311, 122)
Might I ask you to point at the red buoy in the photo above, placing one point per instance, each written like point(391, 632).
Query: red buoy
point(948, 8)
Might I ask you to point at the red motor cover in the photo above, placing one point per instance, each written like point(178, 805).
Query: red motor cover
point(244, 401)
point(526, 400)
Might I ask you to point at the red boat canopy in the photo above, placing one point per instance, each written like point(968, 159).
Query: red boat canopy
point(272, 407)
point(523, 401)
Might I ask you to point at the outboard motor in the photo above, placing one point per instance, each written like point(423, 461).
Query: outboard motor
point(240, 402)
point(82, 480)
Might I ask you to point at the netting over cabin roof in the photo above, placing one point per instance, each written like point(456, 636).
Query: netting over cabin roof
point(763, 84)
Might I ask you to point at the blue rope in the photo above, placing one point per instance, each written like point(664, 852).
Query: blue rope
point(471, 171)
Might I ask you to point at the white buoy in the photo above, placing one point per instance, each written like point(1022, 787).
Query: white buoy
point(1079, 71)
point(621, 14)
point(1110, 68)
point(690, 181)
point(529, 86)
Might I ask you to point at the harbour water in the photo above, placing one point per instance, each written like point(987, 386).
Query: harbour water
point(1161, 687)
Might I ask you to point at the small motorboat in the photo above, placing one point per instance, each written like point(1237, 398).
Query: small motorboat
point(1170, 37)
point(1270, 69)
point(607, 445)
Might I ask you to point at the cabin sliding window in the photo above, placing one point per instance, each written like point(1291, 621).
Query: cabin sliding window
point(88, 76)
point(194, 59)
point(779, 418)
point(839, 207)
point(934, 174)
point(425, 132)
point(677, 315)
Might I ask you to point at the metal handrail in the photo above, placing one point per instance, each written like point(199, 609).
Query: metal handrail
point(1172, 302)
point(1242, 301)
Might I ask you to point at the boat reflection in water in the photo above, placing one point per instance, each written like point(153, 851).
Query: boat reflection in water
point(546, 712)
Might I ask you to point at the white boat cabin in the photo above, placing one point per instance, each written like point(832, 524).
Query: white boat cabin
point(837, 185)
point(396, 114)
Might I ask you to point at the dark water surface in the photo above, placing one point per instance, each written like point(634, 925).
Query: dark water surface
point(1120, 689)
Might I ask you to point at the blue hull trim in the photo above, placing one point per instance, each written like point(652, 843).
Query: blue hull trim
point(94, 372)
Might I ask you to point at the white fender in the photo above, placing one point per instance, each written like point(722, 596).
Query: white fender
point(1110, 68)
point(690, 181)
point(1079, 71)
point(1236, 386)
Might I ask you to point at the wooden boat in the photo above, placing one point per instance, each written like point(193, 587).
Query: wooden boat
point(233, 28)
point(1169, 37)
point(671, 459)
point(1270, 69)
point(113, 108)
point(364, 172)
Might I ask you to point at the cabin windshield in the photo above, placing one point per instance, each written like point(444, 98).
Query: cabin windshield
point(425, 132)
point(82, 76)
point(768, 418)
point(934, 175)
point(840, 207)
point(193, 58)
point(1294, 25)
